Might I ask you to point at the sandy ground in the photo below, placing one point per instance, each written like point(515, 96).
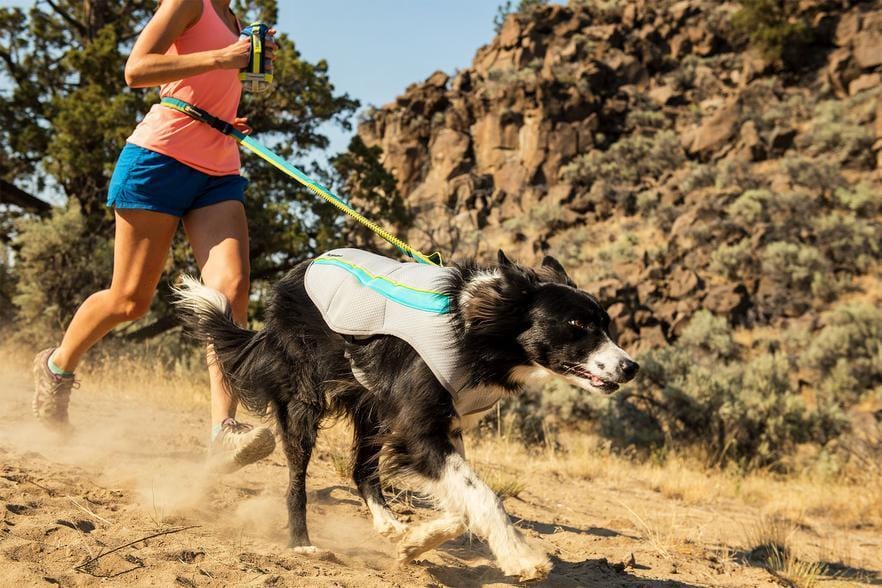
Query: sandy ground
point(125, 501)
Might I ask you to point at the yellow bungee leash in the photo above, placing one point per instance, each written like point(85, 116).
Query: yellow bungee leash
point(279, 163)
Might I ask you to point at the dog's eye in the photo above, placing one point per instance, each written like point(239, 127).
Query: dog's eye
point(579, 324)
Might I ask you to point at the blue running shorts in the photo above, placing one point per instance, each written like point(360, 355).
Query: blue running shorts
point(146, 180)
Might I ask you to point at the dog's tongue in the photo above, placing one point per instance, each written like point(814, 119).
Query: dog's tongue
point(596, 381)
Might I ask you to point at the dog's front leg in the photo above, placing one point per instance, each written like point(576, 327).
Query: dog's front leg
point(464, 498)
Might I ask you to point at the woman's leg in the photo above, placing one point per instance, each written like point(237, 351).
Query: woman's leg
point(142, 242)
point(219, 237)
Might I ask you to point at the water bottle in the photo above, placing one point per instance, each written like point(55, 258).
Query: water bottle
point(257, 75)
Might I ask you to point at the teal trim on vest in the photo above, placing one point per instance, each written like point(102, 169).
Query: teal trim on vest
point(424, 300)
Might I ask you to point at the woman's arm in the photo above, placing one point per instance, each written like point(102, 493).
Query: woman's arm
point(149, 66)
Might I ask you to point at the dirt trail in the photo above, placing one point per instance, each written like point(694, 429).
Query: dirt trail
point(133, 471)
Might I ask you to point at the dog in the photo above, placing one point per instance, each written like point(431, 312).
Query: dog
point(511, 326)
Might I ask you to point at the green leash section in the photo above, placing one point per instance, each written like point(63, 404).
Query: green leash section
point(288, 169)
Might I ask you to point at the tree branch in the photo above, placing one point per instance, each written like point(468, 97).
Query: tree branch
point(154, 329)
point(69, 19)
point(11, 194)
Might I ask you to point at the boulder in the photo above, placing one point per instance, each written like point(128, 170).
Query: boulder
point(868, 49)
point(847, 28)
point(510, 33)
point(649, 338)
point(730, 300)
point(663, 95)
point(864, 82)
point(717, 129)
point(878, 127)
point(606, 291)
point(682, 283)
point(841, 70)
point(750, 146)
point(438, 79)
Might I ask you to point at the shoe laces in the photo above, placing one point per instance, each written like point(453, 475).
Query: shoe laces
point(62, 387)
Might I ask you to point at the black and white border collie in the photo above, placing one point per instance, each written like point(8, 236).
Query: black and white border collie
point(513, 324)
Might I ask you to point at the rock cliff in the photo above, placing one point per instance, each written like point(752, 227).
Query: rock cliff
point(665, 163)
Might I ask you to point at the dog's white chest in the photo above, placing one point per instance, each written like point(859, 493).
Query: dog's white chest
point(362, 294)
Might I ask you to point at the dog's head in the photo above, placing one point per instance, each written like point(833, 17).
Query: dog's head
point(553, 326)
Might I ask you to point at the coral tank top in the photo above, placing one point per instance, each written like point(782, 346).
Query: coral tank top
point(174, 133)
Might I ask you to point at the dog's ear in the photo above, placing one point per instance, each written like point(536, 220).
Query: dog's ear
point(555, 272)
point(502, 260)
point(493, 304)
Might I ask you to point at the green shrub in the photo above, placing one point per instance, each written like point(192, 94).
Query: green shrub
point(733, 261)
point(647, 202)
point(846, 353)
point(622, 250)
point(776, 28)
point(710, 334)
point(705, 391)
point(785, 216)
point(815, 174)
point(538, 218)
point(800, 270)
point(631, 160)
point(753, 206)
point(862, 199)
point(60, 263)
point(850, 243)
point(573, 247)
point(647, 119)
point(838, 133)
point(700, 176)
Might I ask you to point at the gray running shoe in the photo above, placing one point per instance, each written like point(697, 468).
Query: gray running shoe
point(51, 393)
point(239, 444)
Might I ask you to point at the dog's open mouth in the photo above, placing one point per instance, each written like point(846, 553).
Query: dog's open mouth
point(596, 381)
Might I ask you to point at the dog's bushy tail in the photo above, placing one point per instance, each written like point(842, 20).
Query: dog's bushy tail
point(207, 316)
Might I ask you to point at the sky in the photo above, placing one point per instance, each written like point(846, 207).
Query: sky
point(376, 49)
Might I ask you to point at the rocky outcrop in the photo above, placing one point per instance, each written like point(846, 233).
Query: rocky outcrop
point(627, 131)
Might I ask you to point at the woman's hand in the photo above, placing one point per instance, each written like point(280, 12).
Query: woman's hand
point(241, 125)
point(237, 55)
point(234, 56)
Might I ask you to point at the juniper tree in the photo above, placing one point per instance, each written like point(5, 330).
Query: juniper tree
point(65, 113)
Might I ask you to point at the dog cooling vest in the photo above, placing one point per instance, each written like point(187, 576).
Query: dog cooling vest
point(363, 294)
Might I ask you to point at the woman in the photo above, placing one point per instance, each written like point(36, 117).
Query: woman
point(173, 168)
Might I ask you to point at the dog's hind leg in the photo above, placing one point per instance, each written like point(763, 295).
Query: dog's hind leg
point(366, 475)
point(298, 425)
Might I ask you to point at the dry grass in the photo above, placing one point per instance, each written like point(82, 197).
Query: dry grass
point(662, 538)
point(503, 484)
point(133, 373)
point(770, 544)
point(813, 512)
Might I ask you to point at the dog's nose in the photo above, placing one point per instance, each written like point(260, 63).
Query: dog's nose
point(628, 368)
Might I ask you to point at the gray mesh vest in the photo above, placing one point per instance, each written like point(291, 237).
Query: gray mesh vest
point(362, 294)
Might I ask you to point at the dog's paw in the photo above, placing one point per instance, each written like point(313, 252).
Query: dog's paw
point(408, 551)
point(391, 529)
point(412, 544)
point(533, 567)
